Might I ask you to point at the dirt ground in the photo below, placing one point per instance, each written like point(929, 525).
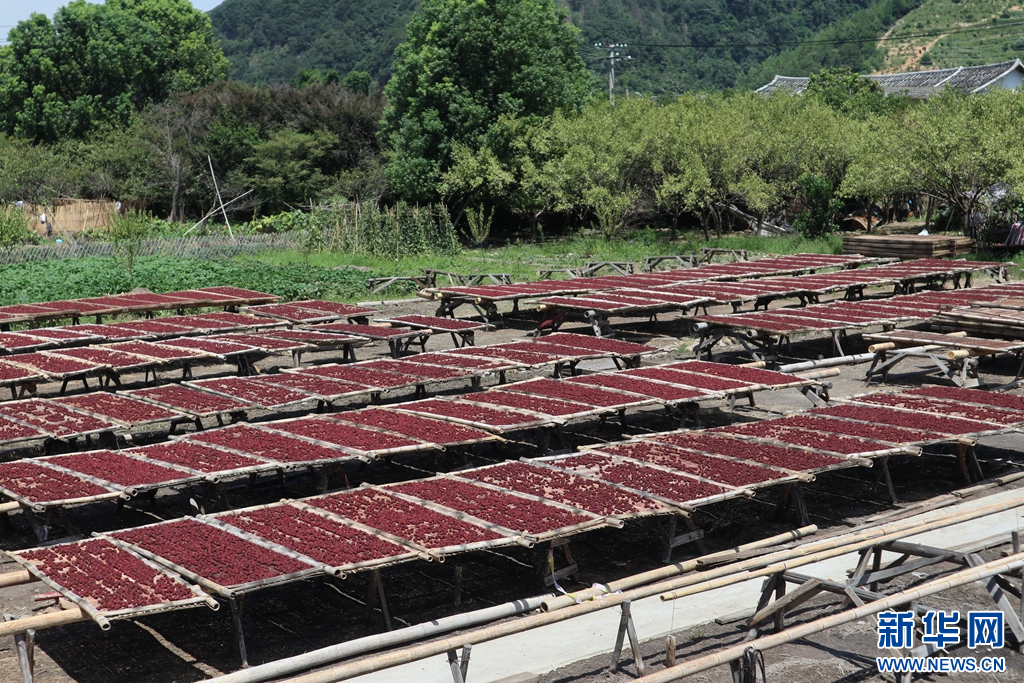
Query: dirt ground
point(193, 645)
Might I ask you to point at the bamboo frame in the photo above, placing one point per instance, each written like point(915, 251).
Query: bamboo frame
point(686, 506)
point(104, 617)
point(788, 476)
point(128, 490)
point(496, 429)
point(193, 384)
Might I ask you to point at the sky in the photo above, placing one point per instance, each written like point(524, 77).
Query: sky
point(13, 11)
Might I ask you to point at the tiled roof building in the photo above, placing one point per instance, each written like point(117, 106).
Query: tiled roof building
point(924, 84)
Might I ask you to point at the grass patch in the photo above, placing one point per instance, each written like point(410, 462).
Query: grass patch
point(342, 277)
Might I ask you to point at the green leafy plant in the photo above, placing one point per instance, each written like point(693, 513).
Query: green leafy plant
point(821, 207)
point(479, 222)
point(128, 233)
point(14, 230)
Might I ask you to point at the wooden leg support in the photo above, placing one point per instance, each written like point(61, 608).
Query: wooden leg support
point(460, 669)
point(374, 592)
point(672, 541)
point(626, 628)
point(571, 569)
point(237, 631)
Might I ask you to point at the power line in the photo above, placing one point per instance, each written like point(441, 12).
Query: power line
point(831, 41)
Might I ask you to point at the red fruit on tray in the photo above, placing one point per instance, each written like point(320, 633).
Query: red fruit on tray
point(897, 418)
point(424, 429)
point(470, 413)
point(380, 510)
point(369, 331)
point(640, 386)
point(569, 391)
point(504, 509)
point(333, 432)
point(110, 578)
point(221, 348)
point(893, 435)
point(266, 444)
point(536, 404)
point(55, 365)
point(930, 405)
point(118, 407)
point(710, 467)
point(777, 456)
point(252, 391)
point(313, 535)
point(688, 379)
point(212, 553)
point(991, 398)
point(118, 360)
point(159, 351)
point(59, 420)
point(39, 484)
point(378, 379)
point(319, 387)
point(196, 456)
point(190, 400)
point(674, 487)
point(410, 367)
point(835, 443)
point(117, 468)
point(563, 487)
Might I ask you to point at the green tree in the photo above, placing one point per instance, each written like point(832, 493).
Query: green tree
point(953, 147)
point(465, 64)
point(94, 66)
point(357, 82)
point(846, 91)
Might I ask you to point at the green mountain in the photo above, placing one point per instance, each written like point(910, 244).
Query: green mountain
point(270, 41)
point(906, 35)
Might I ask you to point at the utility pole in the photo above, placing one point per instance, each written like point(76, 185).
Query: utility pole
point(612, 56)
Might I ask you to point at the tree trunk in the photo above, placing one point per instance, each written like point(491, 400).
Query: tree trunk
point(675, 225)
point(704, 225)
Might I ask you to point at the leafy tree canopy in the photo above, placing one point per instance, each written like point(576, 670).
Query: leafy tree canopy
point(94, 66)
point(465, 64)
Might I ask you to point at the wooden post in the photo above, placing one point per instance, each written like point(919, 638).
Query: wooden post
point(237, 631)
point(670, 651)
point(1015, 536)
point(453, 664)
point(626, 628)
point(458, 584)
point(464, 664)
point(25, 643)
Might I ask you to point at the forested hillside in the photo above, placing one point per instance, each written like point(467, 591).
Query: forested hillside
point(272, 40)
point(915, 35)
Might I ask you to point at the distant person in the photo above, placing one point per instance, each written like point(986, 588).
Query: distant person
point(49, 228)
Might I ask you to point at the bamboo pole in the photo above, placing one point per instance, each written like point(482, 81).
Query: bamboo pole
point(635, 580)
point(958, 354)
point(387, 660)
point(827, 362)
point(822, 550)
point(884, 346)
point(17, 578)
point(822, 374)
point(960, 578)
point(41, 621)
point(351, 648)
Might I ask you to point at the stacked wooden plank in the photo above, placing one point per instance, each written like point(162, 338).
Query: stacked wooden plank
point(909, 246)
point(996, 321)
